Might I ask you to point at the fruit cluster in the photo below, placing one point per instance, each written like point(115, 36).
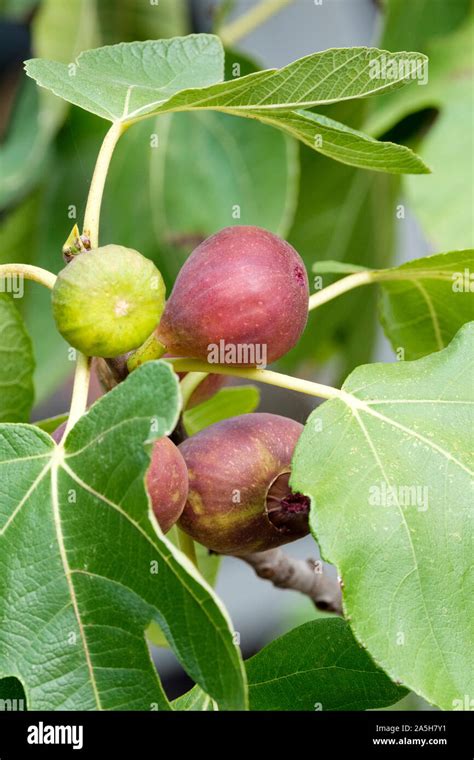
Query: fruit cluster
point(243, 293)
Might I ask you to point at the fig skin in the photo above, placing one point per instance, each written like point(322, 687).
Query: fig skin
point(107, 301)
point(206, 389)
point(242, 285)
point(167, 483)
point(57, 435)
point(252, 455)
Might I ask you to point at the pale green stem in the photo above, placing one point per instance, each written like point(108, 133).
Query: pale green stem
point(259, 376)
point(246, 23)
point(189, 384)
point(341, 286)
point(37, 274)
point(186, 544)
point(369, 276)
point(96, 191)
point(80, 391)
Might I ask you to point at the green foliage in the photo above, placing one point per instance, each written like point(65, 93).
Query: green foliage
point(132, 81)
point(427, 301)
point(423, 302)
point(92, 560)
point(318, 666)
point(88, 580)
point(388, 470)
point(16, 365)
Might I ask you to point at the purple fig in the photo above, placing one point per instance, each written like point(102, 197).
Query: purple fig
point(239, 499)
point(206, 389)
point(240, 298)
point(167, 483)
point(57, 435)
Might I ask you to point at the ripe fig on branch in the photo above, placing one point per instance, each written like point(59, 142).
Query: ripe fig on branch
point(243, 287)
point(108, 301)
point(167, 483)
point(239, 498)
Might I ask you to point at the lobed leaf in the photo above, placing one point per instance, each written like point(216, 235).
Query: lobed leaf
point(85, 569)
point(388, 468)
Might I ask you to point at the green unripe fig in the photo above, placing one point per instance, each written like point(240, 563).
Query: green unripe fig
point(108, 301)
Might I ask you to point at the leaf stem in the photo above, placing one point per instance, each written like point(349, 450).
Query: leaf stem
point(341, 286)
point(37, 274)
point(80, 391)
point(247, 22)
point(260, 376)
point(96, 191)
point(370, 276)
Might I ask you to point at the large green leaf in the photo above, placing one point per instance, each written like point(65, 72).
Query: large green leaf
point(132, 81)
point(16, 365)
point(85, 567)
point(317, 666)
point(388, 467)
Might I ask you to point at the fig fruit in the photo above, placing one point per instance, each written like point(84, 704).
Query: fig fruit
point(206, 389)
point(239, 499)
point(167, 483)
point(108, 301)
point(57, 435)
point(242, 296)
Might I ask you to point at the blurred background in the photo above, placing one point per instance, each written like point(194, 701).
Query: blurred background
point(176, 179)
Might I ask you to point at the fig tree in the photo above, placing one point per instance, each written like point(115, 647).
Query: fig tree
point(239, 498)
point(108, 301)
point(240, 298)
point(167, 483)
